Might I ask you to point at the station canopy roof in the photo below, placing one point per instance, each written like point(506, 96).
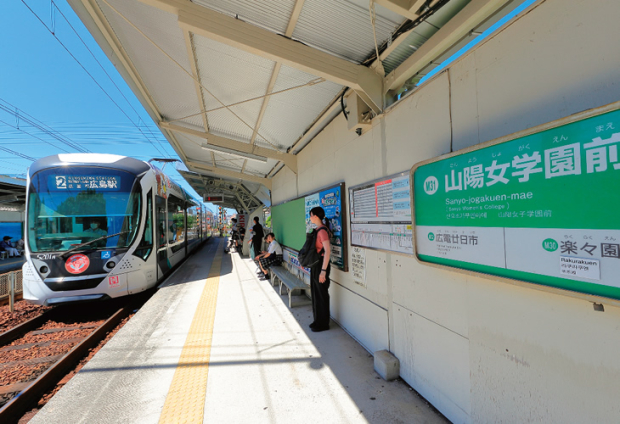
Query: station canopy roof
point(239, 87)
point(12, 193)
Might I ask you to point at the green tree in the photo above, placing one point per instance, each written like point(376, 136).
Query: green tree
point(87, 202)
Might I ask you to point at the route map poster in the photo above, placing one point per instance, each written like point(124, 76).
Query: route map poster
point(330, 200)
point(542, 208)
point(381, 214)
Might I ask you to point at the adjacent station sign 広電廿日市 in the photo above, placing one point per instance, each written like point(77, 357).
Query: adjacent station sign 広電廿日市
point(540, 206)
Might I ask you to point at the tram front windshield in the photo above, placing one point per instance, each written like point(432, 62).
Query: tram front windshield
point(71, 206)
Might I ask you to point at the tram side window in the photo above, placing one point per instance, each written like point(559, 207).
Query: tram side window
point(176, 223)
point(146, 244)
point(193, 221)
point(161, 221)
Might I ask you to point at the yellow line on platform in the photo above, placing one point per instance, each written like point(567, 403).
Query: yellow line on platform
point(186, 397)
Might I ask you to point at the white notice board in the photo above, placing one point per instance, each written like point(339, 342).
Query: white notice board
point(381, 214)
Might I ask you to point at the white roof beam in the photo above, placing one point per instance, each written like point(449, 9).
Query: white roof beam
point(236, 33)
point(199, 167)
point(472, 15)
point(406, 8)
point(216, 140)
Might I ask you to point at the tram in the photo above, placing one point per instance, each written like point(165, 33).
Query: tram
point(101, 226)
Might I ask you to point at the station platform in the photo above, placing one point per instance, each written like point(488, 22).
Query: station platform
point(11, 264)
point(217, 345)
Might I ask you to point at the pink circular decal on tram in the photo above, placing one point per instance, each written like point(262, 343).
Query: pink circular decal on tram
point(76, 264)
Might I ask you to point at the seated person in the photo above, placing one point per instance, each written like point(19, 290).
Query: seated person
point(6, 245)
point(272, 257)
point(19, 244)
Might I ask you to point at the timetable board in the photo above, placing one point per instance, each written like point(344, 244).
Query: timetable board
point(381, 214)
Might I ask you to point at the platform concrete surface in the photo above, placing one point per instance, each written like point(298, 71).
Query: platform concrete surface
point(265, 365)
point(11, 264)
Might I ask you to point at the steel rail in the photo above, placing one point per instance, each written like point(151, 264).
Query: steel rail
point(16, 407)
point(26, 326)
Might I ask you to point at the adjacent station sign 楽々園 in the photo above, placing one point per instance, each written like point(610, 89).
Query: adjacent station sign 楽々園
point(541, 207)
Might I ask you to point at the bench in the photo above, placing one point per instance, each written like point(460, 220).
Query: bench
point(295, 286)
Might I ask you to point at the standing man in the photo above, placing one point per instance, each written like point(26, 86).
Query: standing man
point(234, 236)
point(257, 238)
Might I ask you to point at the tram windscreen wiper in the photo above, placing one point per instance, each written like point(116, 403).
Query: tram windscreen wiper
point(91, 241)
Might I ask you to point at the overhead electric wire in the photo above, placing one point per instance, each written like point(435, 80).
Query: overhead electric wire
point(13, 152)
point(34, 136)
point(112, 81)
point(84, 68)
point(40, 126)
point(21, 171)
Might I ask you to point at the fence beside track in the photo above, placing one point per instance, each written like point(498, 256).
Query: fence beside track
point(5, 284)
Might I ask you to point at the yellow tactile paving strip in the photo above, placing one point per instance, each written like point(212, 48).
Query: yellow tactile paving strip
point(186, 397)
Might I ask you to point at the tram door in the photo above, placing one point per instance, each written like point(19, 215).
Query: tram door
point(162, 240)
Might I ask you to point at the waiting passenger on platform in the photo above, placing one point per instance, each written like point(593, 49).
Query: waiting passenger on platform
point(272, 257)
point(256, 243)
point(234, 236)
point(241, 237)
point(319, 273)
point(19, 244)
point(6, 245)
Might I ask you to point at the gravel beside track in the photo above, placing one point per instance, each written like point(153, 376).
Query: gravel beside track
point(29, 354)
point(23, 312)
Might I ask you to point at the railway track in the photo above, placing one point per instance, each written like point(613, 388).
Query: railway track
point(37, 354)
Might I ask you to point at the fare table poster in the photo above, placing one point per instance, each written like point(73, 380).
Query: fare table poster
point(543, 208)
point(330, 200)
point(381, 214)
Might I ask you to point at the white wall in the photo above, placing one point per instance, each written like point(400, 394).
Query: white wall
point(481, 350)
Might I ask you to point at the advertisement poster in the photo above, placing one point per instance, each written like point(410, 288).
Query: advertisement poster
point(381, 214)
point(331, 201)
point(292, 257)
point(542, 208)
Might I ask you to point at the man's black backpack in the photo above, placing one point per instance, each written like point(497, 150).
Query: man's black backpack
point(308, 255)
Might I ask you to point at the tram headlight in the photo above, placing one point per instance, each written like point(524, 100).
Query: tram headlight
point(111, 264)
point(44, 270)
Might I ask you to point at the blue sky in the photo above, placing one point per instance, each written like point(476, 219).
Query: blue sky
point(42, 83)
point(82, 101)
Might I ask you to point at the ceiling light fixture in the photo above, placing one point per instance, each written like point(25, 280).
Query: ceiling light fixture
point(233, 152)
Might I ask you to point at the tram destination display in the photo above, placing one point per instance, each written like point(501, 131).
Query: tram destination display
point(86, 182)
point(541, 207)
point(381, 214)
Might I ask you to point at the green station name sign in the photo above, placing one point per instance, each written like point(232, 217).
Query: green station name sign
point(543, 208)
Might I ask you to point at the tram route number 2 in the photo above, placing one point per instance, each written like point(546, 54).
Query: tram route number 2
point(61, 182)
point(113, 281)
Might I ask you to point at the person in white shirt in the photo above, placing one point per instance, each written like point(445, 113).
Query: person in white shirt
point(234, 236)
point(272, 257)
